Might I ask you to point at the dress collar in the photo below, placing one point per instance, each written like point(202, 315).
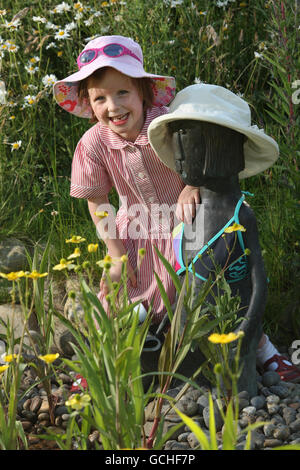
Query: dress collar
point(114, 141)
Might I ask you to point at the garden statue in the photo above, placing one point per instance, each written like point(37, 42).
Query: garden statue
point(208, 139)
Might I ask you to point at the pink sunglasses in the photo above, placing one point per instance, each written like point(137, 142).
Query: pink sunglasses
point(110, 50)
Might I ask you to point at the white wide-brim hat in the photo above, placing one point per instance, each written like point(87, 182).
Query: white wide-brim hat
point(215, 104)
point(66, 90)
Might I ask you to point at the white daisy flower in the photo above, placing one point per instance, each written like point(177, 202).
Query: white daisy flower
point(34, 60)
point(29, 100)
point(31, 69)
point(11, 46)
point(61, 8)
point(39, 19)
point(49, 80)
point(70, 26)
point(62, 34)
point(51, 45)
point(50, 25)
point(16, 145)
point(12, 25)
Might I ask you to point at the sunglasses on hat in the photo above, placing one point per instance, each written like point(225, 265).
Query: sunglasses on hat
point(110, 50)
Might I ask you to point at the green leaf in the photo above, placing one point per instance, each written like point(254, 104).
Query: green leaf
point(201, 437)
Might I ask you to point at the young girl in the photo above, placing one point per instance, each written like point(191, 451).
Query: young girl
point(113, 89)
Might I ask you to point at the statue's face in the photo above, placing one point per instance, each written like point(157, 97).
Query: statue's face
point(206, 152)
point(188, 144)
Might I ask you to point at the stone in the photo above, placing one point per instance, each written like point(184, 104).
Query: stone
point(269, 429)
point(192, 440)
point(249, 410)
point(270, 378)
point(35, 403)
point(258, 439)
point(272, 443)
point(29, 415)
point(169, 444)
point(27, 404)
point(272, 408)
point(168, 426)
point(180, 446)
point(27, 425)
point(281, 390)
point(44, 408)
point(43, 416)
point(202, 402)
point(295, 426)
point(218, 417)
point(282, 432)
point(258, 401)
point(183, 437)
point(13, 256)
point(289, 415)
point(187, 406)
point(15, 316)
point(60, 410)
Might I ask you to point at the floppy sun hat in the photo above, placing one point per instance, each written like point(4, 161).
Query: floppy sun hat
point(120, 53)
point(215, 104)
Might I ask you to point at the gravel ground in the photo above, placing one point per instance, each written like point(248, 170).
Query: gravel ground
point(276, 402)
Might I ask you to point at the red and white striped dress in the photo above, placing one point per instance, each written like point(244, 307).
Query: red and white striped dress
point(148, 193)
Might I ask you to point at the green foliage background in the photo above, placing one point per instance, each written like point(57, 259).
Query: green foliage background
point(249, 47)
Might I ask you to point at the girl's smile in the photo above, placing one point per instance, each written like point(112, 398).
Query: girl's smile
point(117, 103)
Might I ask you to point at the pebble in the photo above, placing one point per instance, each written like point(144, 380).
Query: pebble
point(270, 378)
point(258, 401)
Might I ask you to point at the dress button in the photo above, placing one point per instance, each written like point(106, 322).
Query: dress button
point(151, 199)
point(141, 175)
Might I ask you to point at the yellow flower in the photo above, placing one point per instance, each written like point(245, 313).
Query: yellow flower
point(234, 228)
point(49, 358)
point(13, 276)
point(247, 251)
point(35, 275)
point(101, 214)
point(75, 239)
point(9, 357)
point(223, 338)
point(124, 258)
point(106, 262)
point(76, 254)
point(3, 368)
point(92, 247)
point(78, 401)
point(63, 264)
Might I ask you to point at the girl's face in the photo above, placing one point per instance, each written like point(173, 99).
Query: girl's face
point(117, 103)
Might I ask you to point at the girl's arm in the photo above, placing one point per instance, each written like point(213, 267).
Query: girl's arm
point(186, 204)
point(115, 247)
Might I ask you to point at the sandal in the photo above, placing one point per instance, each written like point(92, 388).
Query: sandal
point(287, 372)
point(79, 385)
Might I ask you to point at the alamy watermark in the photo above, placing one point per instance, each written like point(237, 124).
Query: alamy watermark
point(154, 221)
point(295, 356)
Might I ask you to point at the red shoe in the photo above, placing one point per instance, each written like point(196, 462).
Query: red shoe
point(287, 372)
point(79, 385)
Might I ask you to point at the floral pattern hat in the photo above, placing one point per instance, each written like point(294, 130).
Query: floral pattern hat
point(120, 53)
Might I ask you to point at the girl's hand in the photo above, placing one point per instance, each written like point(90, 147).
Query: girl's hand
point(115, 274)
point(186, 204)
